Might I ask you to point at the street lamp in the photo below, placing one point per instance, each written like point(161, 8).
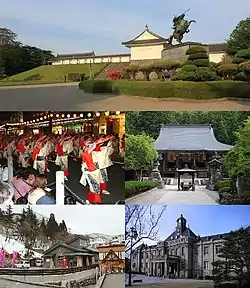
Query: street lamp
point(133, 236)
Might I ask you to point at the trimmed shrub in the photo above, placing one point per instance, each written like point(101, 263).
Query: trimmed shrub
point(135, 187)
point(201, 62)
point(177, 89)
point(224, 183)
point(200, 55)
point(204, 74)
point(100, 86)
point(165, 64)
point(189, 68)
point(228, 70)
point(196, 49)
point(244, 53)
point(238, 60)
point(183, 76)
point(241, 77)
point(75, 77)
point(245, 66)
point(224, 190)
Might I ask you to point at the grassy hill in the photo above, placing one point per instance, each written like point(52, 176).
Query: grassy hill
point(50, 74)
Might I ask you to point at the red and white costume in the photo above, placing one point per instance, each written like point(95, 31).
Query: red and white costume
point(63, 148)
point(23, 153)
point(91, 174)
point(39, 155)
point(101, 155)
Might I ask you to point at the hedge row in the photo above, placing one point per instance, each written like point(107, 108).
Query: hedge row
point(134, 187)
point(170, 89)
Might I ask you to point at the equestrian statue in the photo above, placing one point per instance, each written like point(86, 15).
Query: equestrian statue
point(180, 27)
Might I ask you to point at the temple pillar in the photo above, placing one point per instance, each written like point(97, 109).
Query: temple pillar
point(179, 181)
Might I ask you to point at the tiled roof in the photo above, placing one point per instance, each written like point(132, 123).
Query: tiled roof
point(188, 138)
point(217, 47)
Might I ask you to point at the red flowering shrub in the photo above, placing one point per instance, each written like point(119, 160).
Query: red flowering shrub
point(114, 75)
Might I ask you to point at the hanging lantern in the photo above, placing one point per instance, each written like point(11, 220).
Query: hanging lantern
point(63, 115)
point(51, 115)
point(57, 115)
point(98, 114)
point(81, 115)
point(89, 115)
point(74, 116)
point(41, 118)
point(68, 116)
point(106, 113)
point(37, 120)
point(45, 117)
point(117, 112)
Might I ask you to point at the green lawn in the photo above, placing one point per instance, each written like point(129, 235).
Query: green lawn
point(50, 74)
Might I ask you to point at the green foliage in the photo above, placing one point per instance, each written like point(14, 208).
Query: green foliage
point(177, 89)
point(237, 160)
point(244, 53)
point(134, 187)
point(196, 49)
point(140, 152)
point(204, 74)
point(228, 70)
point(239, 39)
point(98, 86)
point(198, 55)
point(234, 258)
point(189, 68)
point(200, 62)
point(74, 77)
point(224, 123)
point(165, 64)
point(184, 75)
point(224, 183)
point(238, 60)
point(240, 76)
point(132, 68)
point(245, 66)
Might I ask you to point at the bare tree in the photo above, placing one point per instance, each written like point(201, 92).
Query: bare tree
point(144, 220)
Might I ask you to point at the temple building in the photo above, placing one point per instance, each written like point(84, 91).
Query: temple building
point(182, 255)
point(148, 45)
point(187, 146)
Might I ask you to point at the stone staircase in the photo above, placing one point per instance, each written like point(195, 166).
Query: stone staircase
point(111, 67)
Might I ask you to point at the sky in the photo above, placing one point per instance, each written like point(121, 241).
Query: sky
point(203, 220)
point(81, 26)
point(85, 219)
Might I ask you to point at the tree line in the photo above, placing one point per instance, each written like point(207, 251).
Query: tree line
point(29, 228)
point(16, 57)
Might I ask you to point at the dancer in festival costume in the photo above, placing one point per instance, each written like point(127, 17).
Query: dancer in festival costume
point(123, 142)
point(101, 155)
point(91, 173)
point(76, 147)
point(23, 153)
point(39, 154)
point(63, 148)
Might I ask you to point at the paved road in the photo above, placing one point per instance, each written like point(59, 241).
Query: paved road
point(68, 97)
point(115, 184)
point(114, 280)
point(170, 195)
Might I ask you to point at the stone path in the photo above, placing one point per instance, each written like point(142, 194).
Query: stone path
point(170, 195)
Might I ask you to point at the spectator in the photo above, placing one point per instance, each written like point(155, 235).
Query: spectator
point(6, 194)
point(37, 195)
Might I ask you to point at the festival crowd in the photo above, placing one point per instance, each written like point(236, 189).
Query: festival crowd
point(31, 154)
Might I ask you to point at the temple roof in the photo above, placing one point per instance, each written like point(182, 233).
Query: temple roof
point(188, 138)
point(146, 37)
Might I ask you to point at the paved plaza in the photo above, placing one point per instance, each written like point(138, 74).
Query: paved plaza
point(114, 280)
point(68, 97)
point(169, 195)
point(169, 283)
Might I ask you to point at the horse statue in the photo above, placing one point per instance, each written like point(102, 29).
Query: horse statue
point(180, 27)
